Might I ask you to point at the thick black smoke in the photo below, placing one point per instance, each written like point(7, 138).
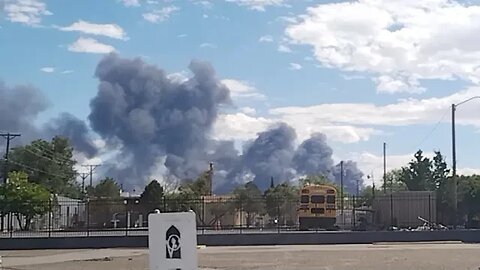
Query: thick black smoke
point(269, 155)
point(21, 105)
point(314, 156)
point(151, 116)
point(272, 154)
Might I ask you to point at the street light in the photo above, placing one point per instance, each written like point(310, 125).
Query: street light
point(454, 158)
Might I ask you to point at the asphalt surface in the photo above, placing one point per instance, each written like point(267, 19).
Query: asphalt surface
point(417, 256)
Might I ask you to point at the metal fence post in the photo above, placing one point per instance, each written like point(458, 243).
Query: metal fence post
point(127, 220)
point(391, 210)
point(354, 217)
point(203, 215)
point(241, 216)
point(50, 213)
point(88, 217)
point(430, 208)
point(278, 217)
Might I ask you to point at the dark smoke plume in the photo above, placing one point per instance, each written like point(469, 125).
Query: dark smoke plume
point(269, 155)
point(151, 116)
point(314, 156)
point(351, 174)
point(19, 108)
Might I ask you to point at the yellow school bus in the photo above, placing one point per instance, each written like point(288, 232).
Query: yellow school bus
point(317, 207)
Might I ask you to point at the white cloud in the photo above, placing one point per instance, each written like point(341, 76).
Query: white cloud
point(90, 45)
point(242, 89)
point(248, 110)
point(68, 71)
point(108, 30)
point(204, 3)
point(352, 77)
point(208, 45)
point(233, 126)
point(48, 69)
point(160, 15)
point(266, 38)
point(131, 3)
point(284, 48)
point(400, 41)
point(295, 66)
point(179, 77)
point(404, 112)
point(182, 35)
point(258, 5)
point(28, 12)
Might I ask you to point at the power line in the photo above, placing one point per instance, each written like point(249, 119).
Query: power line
point(92, 167)
point(432, 130)
point(36, 169)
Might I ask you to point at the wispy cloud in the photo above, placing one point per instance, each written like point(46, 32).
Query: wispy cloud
point(258, 5)
point(47, 69)
point(108, 30)
point(352, 77)
point(284, 48)
point(182, 35)
point(160, 15)
point(208, 45)
point(131, 3)
point(28, 12)
point(68, 71)
point(90, 45)
point(242, 89)
point(266, 38)
point(295, 66)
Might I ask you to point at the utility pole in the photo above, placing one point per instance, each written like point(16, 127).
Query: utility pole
point(454, 168)
point(384, 167)
point(92, 168)
point(8, 137)
point(341, 185)
point(83, 176)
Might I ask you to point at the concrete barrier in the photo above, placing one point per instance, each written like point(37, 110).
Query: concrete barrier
point(250, 239)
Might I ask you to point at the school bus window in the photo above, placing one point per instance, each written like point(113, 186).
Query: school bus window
point(330, 199)
point(318, 199)
point(304, 199)
point(318, 211)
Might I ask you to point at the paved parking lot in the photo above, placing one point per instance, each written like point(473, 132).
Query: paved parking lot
point(421, 256)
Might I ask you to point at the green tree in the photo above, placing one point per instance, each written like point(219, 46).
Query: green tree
point(248, 198)
point(104, 203)
point(469, 198)
point(152, 196)
point(418, 175)
point(280, 202)
point(394, 181)
point(49, 164)
point(23, 199)
point(105, 189)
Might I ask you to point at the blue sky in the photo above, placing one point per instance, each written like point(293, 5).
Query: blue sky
point(363, 73)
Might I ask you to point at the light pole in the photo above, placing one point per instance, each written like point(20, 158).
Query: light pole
point(454, 159)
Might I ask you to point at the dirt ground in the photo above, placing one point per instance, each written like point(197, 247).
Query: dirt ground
point(419, 256)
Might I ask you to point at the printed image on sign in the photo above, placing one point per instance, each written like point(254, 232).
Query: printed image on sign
point(172, 239)
point(173, 243)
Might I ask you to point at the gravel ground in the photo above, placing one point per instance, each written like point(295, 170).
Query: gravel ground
point(403, 256)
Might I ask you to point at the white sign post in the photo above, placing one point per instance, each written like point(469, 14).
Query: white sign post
point(172, 241)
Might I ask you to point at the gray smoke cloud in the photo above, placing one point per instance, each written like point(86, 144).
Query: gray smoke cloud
point(269, 155)
point(314, 156)
point(21, 105)
point(351, 176)
point(150, 115)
